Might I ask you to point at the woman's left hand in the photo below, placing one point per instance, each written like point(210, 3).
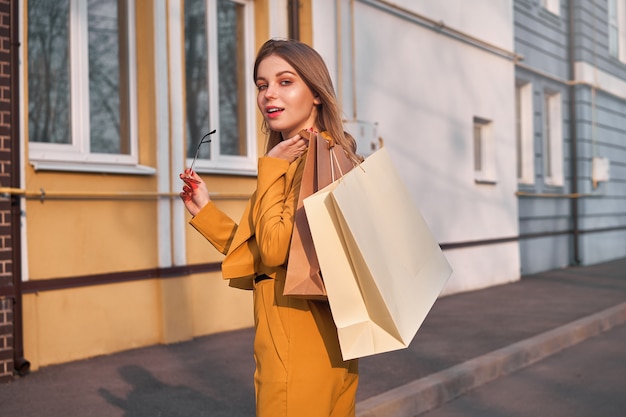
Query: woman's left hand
point(195, 194)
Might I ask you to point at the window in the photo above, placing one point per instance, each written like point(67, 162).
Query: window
point(525, 133)
point(553, 139)
point(219, 91)
point(484, 157)
point(617, 29)
point(553, 6)
point(80, 77)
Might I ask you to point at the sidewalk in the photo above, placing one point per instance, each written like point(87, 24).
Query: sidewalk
point(467, 340)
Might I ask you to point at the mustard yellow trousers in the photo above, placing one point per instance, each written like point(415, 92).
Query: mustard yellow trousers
point(299, 368)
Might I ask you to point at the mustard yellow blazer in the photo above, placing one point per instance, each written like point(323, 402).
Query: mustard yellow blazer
point(259, 243)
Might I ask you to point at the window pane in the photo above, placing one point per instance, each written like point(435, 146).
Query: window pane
point(231, 78)
point(612, 7)
point(613, 40)
point(478, 147)
point(106, 61)
point(196, 61)
point(48, 71)
point(548, 135)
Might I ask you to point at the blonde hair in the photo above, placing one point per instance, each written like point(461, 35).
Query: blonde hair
point(311, 67)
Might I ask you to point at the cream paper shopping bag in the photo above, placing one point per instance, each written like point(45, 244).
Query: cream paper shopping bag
point(382, 267)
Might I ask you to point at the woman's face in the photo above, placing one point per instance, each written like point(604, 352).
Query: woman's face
point(286, 102)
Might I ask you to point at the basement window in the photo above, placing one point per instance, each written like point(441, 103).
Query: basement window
point(484, 154)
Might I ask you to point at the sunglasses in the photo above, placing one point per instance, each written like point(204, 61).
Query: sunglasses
point(205, 139)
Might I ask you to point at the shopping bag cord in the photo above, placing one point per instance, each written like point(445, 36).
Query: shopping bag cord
point(335, 161)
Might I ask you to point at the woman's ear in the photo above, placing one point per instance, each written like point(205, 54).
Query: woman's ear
point(316, 100)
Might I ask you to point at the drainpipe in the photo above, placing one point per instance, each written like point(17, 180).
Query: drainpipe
point(573, 135)
point(20, 364)
point(293, 12)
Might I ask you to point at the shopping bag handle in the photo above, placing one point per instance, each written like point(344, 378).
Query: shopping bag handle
point(331, 143)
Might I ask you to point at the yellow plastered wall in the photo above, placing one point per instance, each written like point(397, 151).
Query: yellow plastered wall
point(306, 22)
point(66, 325)
point(77, 237)
point(84, 236)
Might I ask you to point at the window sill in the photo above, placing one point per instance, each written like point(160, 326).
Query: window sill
point(92, 167)
point(485, 181)
point(553, 183)
point(226, 168)
point(223, 171)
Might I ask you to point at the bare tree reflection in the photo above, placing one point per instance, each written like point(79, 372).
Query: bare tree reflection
point(230, 88)
point(48, 72)
point(51, 64)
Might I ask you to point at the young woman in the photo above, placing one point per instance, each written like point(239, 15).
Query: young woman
point(299, 368)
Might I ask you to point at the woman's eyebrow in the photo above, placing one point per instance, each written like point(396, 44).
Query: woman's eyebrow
point(278, 74)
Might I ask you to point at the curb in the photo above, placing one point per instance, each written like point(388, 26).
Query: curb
point(430, 392)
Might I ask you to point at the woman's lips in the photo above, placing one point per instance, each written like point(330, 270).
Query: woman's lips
point(273, 112)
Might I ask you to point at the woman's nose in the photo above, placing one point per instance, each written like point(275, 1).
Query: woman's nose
point(270, 91)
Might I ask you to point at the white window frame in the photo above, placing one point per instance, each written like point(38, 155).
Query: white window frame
point(553, 139)
point(484, 151)
point(553, 6)
point(76, 156)
point(617, 29)
point(230, 164)
point(525, 134)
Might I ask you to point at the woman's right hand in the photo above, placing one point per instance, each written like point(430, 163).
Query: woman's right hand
point(195, 194)
point(290, 149)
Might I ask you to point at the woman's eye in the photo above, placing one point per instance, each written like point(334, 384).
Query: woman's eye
point(261, 87)
point(286, 82)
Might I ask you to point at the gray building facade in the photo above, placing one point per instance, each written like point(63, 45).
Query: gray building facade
point(571, 131)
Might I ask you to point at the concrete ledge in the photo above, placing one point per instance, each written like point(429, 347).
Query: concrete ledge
point(430, 392)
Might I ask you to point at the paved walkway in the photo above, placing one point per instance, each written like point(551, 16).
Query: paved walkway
point(467, 340)
point(588, 379)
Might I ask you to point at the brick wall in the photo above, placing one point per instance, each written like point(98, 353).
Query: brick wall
point(7, 291)
point(6, 339)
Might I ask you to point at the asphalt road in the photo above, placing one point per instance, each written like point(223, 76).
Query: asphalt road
point(586, 380)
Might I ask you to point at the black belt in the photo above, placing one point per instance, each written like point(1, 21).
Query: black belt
point(261, 277)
